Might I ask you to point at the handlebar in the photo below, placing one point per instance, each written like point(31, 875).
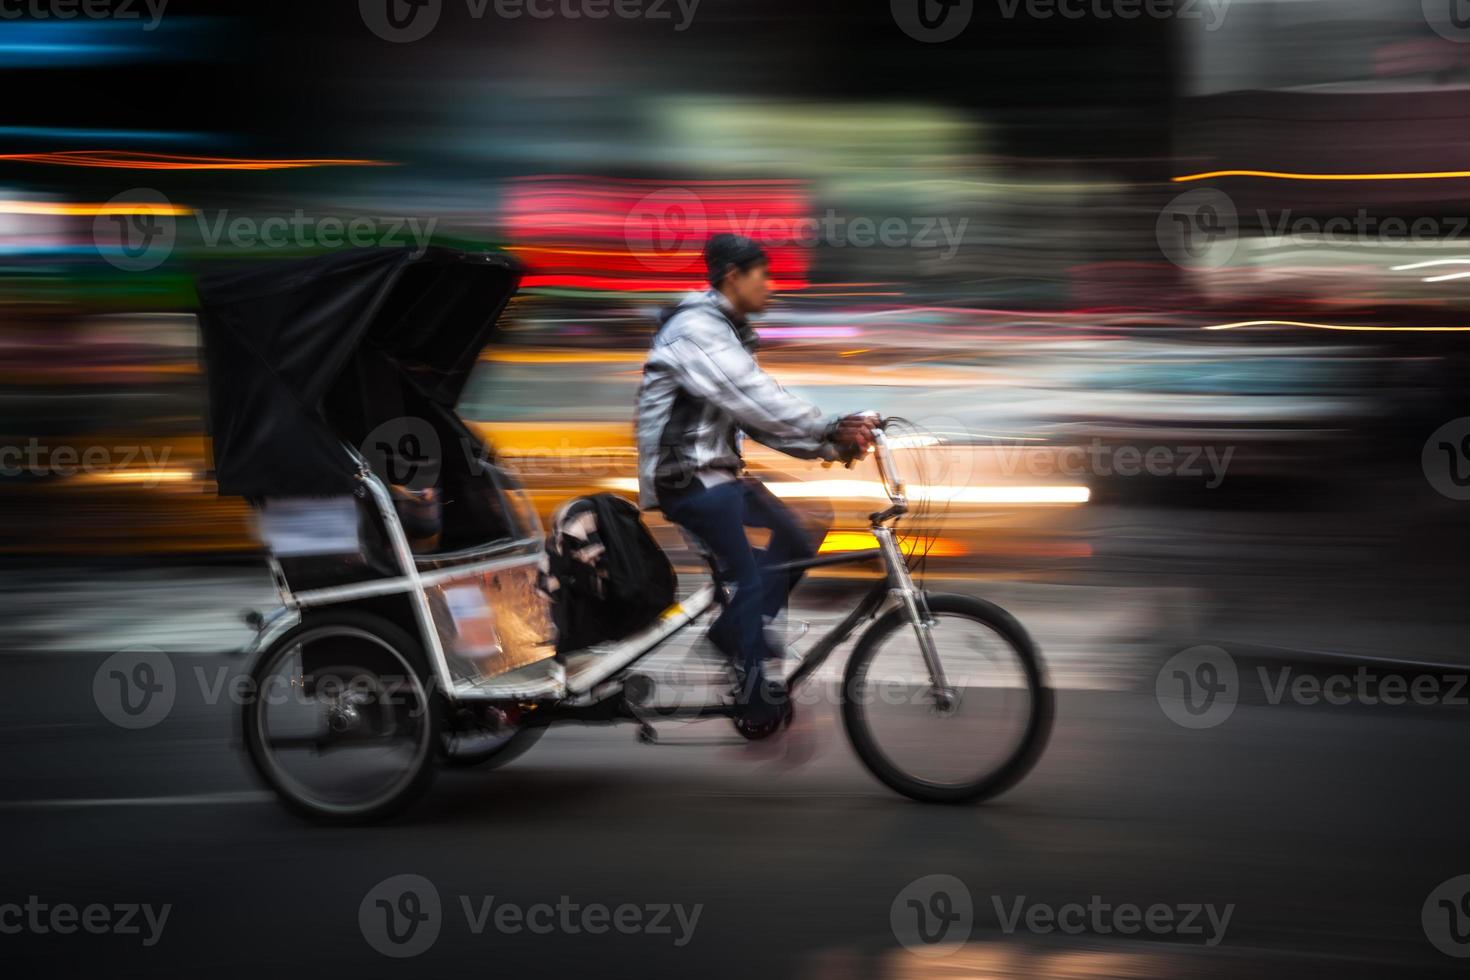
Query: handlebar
point(888, 472)
point(888, 468)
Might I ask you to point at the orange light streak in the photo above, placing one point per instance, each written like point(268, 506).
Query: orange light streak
point(134, 160)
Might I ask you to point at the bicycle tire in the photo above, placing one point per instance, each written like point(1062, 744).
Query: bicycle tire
point(1028, 748)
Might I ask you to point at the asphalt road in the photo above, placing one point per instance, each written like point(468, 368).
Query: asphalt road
point(1321, 831)
point(1288, 839)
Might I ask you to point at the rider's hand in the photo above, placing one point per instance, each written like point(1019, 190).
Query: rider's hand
point(853, 435)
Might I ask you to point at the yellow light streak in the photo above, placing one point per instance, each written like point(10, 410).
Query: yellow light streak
point(147, 477)
point(89, 210)
point(840, 541)
point(1284, 175)
point(1355, 328)
point(863, 490)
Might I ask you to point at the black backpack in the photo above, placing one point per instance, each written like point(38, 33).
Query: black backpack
point(606, 575)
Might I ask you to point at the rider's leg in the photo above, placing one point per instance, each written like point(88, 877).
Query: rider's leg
point(790, 541)
point(716, 515)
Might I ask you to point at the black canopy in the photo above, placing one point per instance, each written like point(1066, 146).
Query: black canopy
point(279, 337)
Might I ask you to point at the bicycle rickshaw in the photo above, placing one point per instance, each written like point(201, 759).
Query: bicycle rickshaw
point(332, 387)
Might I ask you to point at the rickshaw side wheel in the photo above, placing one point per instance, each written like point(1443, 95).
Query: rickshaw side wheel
point(399, 648)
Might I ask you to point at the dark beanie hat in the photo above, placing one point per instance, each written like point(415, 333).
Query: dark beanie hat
point(723, 251)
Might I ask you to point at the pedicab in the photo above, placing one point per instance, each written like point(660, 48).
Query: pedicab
point(415, 629)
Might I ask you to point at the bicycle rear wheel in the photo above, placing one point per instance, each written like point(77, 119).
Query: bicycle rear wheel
point(988, 735)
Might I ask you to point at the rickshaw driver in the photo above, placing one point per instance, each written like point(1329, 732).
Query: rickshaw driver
point(701, 389)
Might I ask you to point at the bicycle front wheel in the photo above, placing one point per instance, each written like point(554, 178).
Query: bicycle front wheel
point(970, 741)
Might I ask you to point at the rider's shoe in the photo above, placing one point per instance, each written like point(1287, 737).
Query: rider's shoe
point(761, 701)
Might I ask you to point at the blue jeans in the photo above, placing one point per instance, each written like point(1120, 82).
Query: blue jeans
point(718, 517)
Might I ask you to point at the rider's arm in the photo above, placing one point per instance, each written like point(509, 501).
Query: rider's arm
point(802, 448)
point(712, 364)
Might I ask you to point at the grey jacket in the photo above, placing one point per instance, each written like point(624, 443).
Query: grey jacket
point(701, 388)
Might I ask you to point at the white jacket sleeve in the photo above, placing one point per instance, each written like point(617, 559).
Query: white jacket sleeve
point(712, 364)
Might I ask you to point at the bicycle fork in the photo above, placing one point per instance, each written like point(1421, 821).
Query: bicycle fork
point(916, 606)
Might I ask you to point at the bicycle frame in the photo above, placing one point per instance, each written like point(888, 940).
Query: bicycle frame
point(898, 583)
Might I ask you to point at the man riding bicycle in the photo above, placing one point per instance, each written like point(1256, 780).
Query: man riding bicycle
point(702, 389)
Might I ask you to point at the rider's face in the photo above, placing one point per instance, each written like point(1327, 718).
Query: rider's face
point(749, 289)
